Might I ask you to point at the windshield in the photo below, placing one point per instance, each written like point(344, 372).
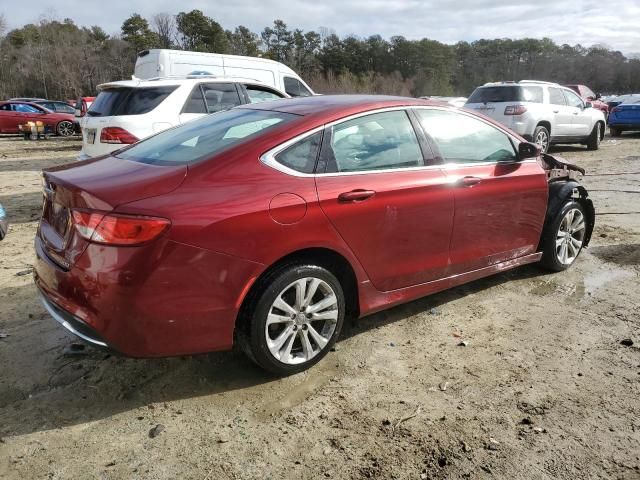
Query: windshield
point(204, 137)
point(128, 101)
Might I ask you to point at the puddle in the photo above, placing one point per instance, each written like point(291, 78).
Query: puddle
point(619, 254)
point(588, 285)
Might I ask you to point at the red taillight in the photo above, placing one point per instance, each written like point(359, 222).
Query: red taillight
point(515, 110)
point(118, 229)
point(116, 135)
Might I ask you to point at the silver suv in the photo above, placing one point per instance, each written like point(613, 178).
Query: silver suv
point(543, 112)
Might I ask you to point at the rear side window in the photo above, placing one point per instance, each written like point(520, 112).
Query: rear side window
point(129, 101)
point(295, 88)
point(556, 97)
point(220, 96)
point(531, 94)
point(302, 155)
point(204, 137)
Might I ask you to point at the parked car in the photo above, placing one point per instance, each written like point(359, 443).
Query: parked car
point(127, 111)
point(82, 106)
point(26, 99)
point(14, 113)
point(161, 63)
point(542, 112)
point(625, 117)
point(588, 96)
point(265, 225)
point(4, 222)
point(455, 101)
point(618, 99)
point(56, 106)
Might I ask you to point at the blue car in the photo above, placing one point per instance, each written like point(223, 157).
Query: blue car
point(624, 117)
point(4, 223)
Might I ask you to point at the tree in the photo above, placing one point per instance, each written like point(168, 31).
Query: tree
point(243, 41)
point(136, 32)
point(199, 33)
point(278, 41)
point(164, 26)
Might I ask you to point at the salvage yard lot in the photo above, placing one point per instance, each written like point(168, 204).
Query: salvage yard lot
point(543, 389)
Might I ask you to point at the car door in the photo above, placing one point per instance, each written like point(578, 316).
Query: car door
point(580, 121)
point(562, 113)
point(394, 211)
point(500, 203)
point(208, 98)
point(7, 119)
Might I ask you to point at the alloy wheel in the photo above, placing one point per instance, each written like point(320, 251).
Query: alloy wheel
point(65, 129)
point(301, 321)
point(542, 139)
point(570, 236)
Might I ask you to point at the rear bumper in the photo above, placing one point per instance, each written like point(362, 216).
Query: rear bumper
point(159, 300)
point(624, 124)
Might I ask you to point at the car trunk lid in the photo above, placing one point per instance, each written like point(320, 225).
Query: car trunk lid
point(99, 185)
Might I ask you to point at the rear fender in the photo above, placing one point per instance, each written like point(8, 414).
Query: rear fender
point(560, 192)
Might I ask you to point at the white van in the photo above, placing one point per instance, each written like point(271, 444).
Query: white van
point(169, 63)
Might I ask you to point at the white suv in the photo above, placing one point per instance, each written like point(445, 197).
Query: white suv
point(127, 111)
point(543, 112)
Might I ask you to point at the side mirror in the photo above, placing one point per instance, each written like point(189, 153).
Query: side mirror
point(588, 105)
point(528, 150)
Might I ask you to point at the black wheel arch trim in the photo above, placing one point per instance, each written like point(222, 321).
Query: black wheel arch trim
point(562, 191)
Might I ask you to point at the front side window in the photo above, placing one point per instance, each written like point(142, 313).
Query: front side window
point(556, 97)
point(259, 95)
point(573, 100)
point(205, 137)
point(295, 88)
point(378, 141)
point(302, 155)
point(464, 139)
point(220, 96)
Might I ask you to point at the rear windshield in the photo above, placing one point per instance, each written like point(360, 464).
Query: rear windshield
point(205, 137)
point(515, 93)
point(128, 101)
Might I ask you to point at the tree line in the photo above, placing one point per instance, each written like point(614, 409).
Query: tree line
point(59, 59)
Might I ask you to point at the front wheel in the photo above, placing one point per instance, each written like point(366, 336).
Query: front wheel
point(295, 318)
point(562, 242)
point(593, 143)
point(541, 137)
point(65, 128)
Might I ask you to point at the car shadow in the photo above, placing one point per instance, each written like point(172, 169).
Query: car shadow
point(42, 388)
point(23, 207)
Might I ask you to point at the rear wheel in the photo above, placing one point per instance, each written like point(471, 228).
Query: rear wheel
point(563, 241)
point(65, 128)
point(541, 137)
point(295, 318)
point(593, 143)
point(615, 132)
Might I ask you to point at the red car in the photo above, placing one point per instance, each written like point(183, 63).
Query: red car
point(14, 113)
point(588, 96)
point(265, 225)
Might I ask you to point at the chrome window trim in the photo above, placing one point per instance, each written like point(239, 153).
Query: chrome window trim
point(269, 158)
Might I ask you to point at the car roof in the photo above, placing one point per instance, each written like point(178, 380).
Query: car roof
point(177, 81)
point(337, 106)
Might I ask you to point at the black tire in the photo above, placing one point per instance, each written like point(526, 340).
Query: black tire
point(550, 249)
point(615, 132)
point(65, 128)
point(541, 137)
point(593, 142)
point(253, 338)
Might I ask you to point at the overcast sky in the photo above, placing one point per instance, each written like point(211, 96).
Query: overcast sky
point(615, 23)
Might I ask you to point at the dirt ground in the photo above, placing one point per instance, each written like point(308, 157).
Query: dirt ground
point(544, 388)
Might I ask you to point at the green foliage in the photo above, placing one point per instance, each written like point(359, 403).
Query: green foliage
point(136, 32)
point(199, 33)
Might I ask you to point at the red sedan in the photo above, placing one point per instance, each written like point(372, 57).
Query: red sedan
point(14, 113)
point(266, 225)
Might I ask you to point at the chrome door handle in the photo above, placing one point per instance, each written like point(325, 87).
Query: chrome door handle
point(469, 181)
point(358, 195)
point(556, 111)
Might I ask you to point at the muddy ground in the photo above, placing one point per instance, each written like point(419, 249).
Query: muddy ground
point(544, 388)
